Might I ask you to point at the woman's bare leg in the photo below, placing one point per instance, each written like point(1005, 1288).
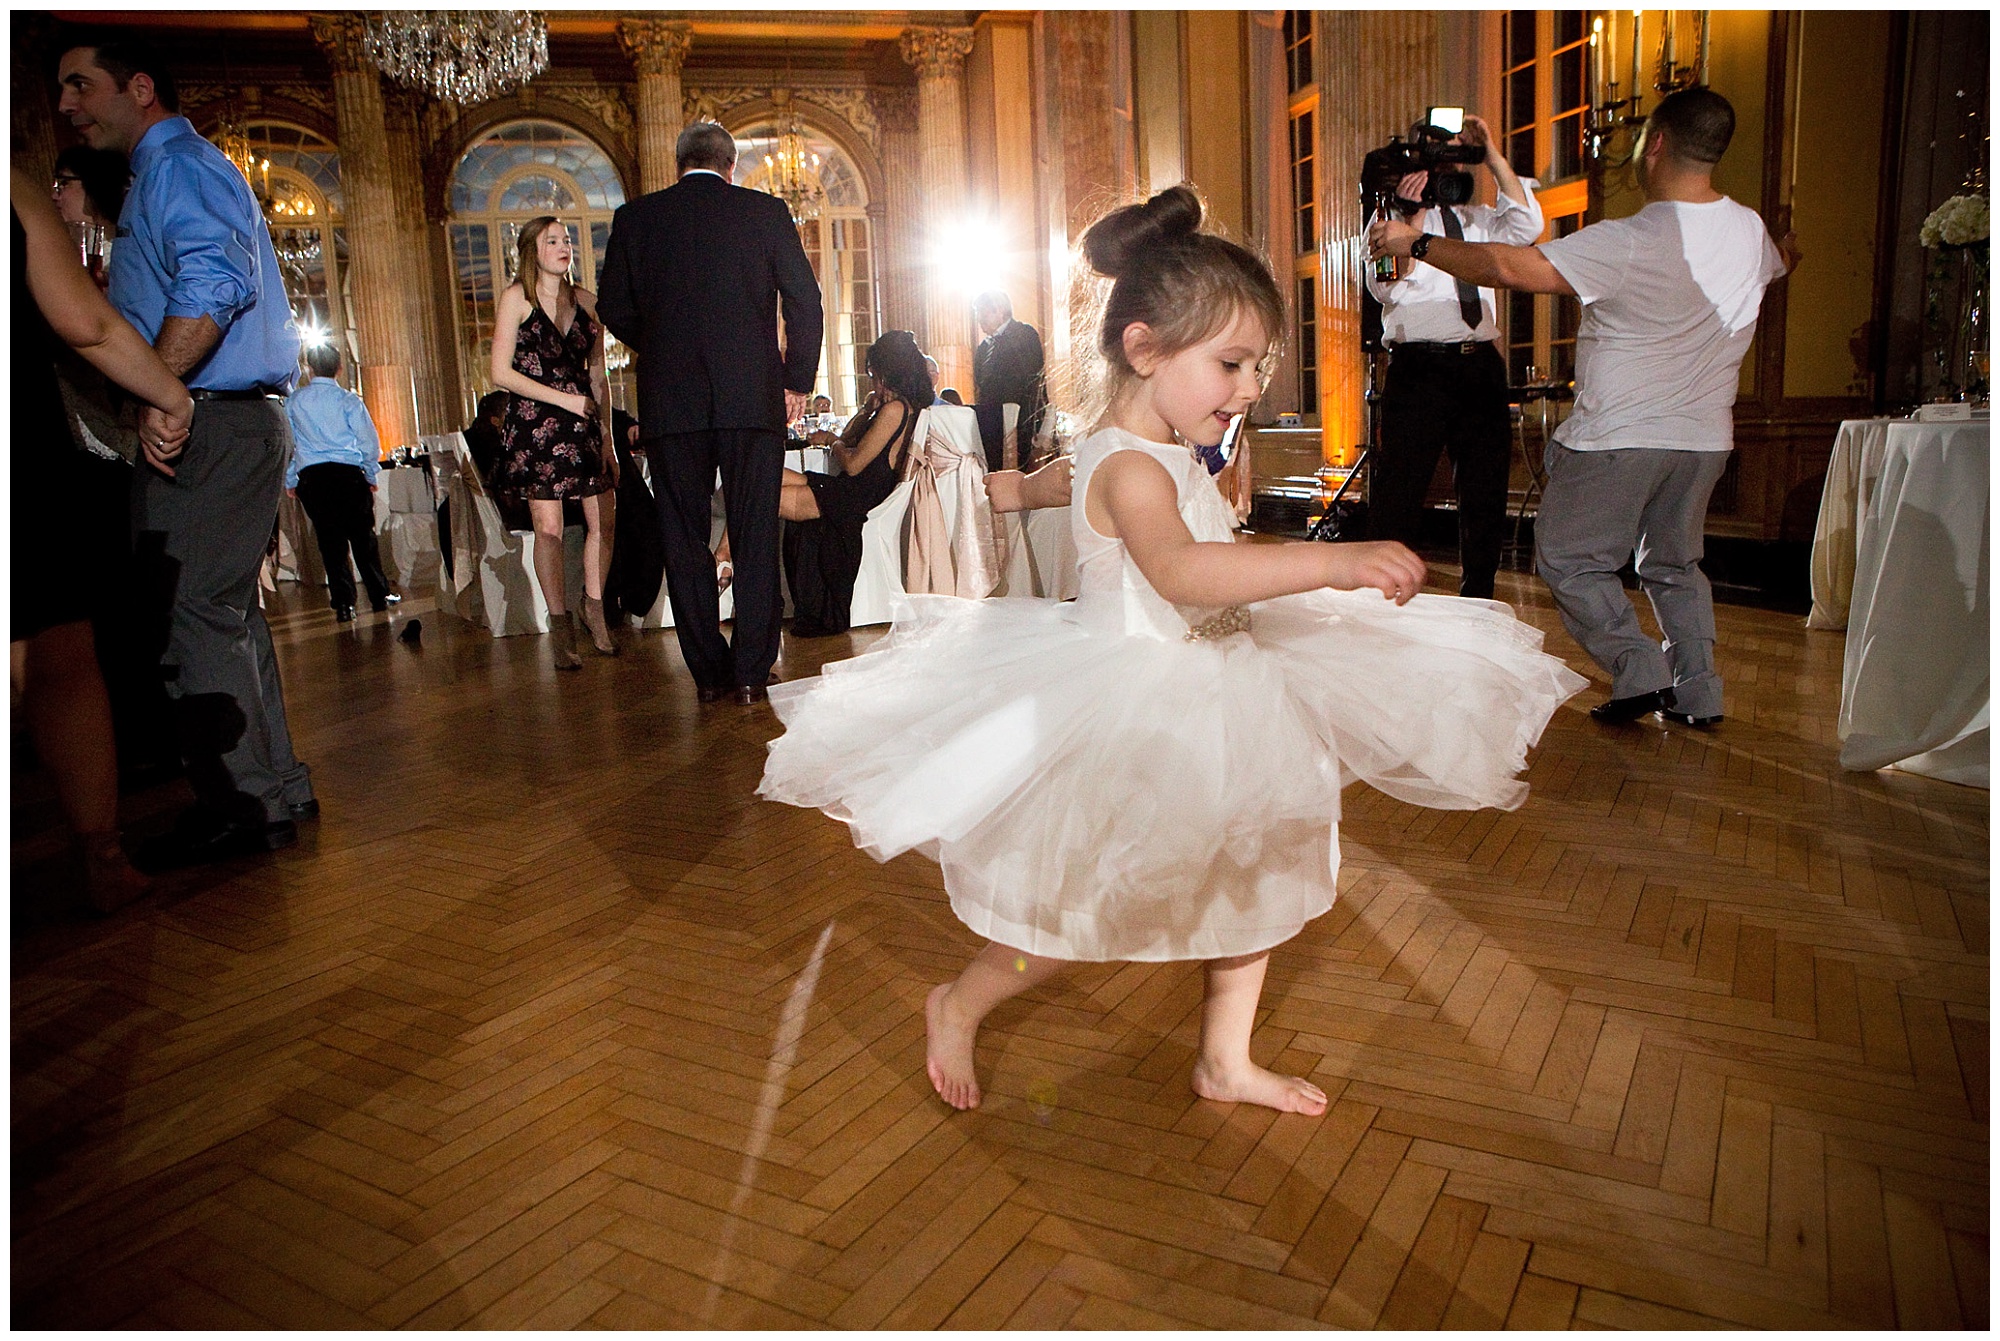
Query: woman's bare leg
point(1224, 1070)
point(953, 1011)
point(547, 515)
point(796, 501)
point(69, 719)
point(600, 516)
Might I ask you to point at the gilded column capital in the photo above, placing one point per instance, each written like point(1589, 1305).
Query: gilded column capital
point(656, 46)
point(937, 53)
point(344, 39)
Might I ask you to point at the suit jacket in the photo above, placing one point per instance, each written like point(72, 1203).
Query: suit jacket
point(1007, 367)
point(692, 280)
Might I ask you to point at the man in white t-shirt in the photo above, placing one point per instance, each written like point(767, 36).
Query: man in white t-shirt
point(1670, 301)
point(1447, 384)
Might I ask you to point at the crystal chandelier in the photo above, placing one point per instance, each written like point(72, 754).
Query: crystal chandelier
point(792, 171)
point(294, 231)
point(235, 144)
point(461, 56)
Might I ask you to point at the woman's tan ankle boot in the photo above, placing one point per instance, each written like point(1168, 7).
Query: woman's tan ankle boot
point(600, 634)
point(564, 634)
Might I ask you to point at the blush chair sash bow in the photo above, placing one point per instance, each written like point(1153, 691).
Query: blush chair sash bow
point(955, 546)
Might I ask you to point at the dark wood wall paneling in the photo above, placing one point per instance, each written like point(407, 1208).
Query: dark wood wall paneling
point(1935, 128)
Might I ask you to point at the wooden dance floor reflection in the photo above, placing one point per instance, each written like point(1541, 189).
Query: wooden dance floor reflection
point(549, 1022)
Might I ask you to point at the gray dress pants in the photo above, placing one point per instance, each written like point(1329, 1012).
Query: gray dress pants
point(1601, 508)
point(200, 538)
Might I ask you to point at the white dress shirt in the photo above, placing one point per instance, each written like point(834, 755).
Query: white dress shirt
point(1423, 306)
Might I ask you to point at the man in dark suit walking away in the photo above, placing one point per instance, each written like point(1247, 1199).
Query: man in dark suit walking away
point(693, 278)
point(1006, 369)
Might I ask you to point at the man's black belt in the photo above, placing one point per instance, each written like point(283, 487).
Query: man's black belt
point(248, 393)
point(1442, 347)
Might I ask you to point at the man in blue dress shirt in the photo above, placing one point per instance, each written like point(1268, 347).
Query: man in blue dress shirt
point(194, 271)
point(336, 456)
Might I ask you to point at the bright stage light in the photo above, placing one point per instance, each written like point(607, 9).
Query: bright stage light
point(969, 256)
point(315, 337)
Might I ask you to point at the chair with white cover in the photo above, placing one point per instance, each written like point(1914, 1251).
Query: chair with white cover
point(1041, 555)
point(406, 523)
point(493, 582)
point(936, 532)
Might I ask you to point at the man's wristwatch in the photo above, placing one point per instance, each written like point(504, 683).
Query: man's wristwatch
point(1421, 246)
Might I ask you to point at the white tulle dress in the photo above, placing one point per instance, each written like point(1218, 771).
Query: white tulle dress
point(1119, 778)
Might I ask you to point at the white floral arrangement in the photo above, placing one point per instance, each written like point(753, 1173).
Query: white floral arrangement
point(1958, 222)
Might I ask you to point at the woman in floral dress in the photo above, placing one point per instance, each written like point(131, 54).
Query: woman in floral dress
point(556, 443)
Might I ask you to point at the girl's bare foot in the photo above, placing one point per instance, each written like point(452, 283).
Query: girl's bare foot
point(1247, 1083)
point(948, 1051)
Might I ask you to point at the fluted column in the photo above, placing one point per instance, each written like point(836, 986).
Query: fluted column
point(1361, 105)
point(435, 412)
point(658, 48)
point(938, 55)
point(375, 246)
point(902, 223)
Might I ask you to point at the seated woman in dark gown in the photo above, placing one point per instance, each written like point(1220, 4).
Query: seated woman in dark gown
point(824, 513)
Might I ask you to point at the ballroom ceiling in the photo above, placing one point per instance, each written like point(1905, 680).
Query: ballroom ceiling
point(808, 43)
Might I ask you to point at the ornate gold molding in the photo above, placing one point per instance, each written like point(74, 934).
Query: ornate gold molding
point(602, 101)
point(319, 99)
point(856, 105)
point(655, 46)
point(895, 109)
point(937, 53)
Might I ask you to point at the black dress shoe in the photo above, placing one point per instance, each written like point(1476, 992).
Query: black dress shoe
point(747, 694)
point(307, 809)
point(205, 840)
point(343, 614)
point(1689, 719)
point(379, 606)
point(709, 693)
point(1618, 711)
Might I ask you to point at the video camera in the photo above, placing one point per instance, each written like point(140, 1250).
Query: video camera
point(1428, 150)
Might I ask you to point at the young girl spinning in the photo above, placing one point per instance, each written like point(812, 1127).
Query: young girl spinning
point(1160, 779)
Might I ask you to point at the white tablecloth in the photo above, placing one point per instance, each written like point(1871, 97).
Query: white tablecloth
point(809, 458)
point(1855, 466)
point(1914, 687)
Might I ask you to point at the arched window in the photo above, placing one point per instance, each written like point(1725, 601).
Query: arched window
point(302, 200)
point(515, 173)
point(840, 244)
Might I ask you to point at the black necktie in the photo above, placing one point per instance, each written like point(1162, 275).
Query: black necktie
point(1468, 295)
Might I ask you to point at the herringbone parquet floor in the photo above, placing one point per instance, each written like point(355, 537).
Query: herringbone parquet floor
point(550, 1023)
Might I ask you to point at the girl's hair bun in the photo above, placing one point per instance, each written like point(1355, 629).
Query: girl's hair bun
point(1114, 241)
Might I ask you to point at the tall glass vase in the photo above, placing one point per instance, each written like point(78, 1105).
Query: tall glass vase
point(1956, 320)
point(1974, 322)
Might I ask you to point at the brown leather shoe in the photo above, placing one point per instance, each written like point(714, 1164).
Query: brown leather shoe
point(749, 694)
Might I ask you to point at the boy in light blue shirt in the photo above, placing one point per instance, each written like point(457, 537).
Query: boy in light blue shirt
point(335, 459)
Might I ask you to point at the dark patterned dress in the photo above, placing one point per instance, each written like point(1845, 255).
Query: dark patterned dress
point(822, 557)
point(545, 451)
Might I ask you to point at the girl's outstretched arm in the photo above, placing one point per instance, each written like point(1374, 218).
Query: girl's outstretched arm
point(1132, 497)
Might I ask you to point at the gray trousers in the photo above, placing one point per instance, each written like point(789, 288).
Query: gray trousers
point(1601, 508)
point(200, 539)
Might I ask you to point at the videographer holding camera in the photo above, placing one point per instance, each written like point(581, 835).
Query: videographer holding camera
point(1447, 384)
point(1670, 301)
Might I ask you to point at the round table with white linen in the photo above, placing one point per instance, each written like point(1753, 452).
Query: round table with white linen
point(1914, 690)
